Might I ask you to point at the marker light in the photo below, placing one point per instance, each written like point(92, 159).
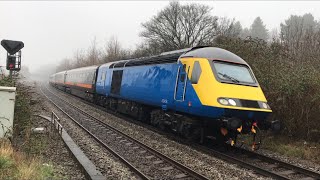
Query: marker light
point(265, 105)
point(232, 102)
point(223, 101)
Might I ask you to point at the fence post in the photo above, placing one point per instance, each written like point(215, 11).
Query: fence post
point(55, 123)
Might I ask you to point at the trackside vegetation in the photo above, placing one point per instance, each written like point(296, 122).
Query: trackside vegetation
point(294, 148)
point(16, 165)
point(19, 156)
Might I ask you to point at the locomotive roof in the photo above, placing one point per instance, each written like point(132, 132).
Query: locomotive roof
point(165, 57)
point(214, 53)
point(159, 59)
point(173, 57)
point(61, 72)
point(77, 69)
point(84, 68)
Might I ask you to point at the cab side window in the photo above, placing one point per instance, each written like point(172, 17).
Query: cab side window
point(196, 72)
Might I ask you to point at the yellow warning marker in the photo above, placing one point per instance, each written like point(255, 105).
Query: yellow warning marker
point(253, 130)
point(239, 129)
point(232, 142)
point(253, 147)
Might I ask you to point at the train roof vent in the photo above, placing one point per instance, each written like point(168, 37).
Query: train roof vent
point(176, 51)
point(165, 57)
point(119, 64)
point(162, 59)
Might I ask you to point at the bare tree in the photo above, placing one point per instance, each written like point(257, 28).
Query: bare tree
point(245, 33)
point(179, 26)
point(228, 27)
point(79, 58)
point(65, 64)
point(114, 51)
point(146, 49)
point(93, 53)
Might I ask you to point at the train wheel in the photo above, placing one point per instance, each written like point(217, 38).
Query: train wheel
point(191, 133)
point(154, 120)
point(157, 119)
point(142, 115)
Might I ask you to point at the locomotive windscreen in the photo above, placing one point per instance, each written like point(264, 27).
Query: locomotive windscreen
point(233, 73)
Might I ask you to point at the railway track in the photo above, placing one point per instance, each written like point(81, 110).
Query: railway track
point(146, 162)
point(280, 167)
point(261, 164)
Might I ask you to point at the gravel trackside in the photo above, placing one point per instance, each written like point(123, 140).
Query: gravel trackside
point(207, 165)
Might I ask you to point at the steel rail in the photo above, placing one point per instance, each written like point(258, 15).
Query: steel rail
point(232, 159)
point(176, 164)
point(282, 164)
point(134, 169)
point(242, 163)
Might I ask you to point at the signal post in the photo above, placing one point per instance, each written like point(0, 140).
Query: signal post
point(13, 49)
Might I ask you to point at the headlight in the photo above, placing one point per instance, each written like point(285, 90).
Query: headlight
point(232, 102)
point(223, 101)
point(265, 105)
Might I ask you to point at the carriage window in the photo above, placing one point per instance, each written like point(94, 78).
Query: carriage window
point(196, 72)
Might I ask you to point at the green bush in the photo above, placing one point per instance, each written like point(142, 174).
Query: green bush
point(6, 81)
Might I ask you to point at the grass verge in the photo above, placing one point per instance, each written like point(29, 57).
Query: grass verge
point(287, 146)
point(293, 148)
point(16, 165)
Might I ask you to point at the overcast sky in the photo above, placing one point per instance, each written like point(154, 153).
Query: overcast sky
point(52, 31)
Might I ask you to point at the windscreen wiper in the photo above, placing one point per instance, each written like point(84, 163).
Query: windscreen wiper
point(229, 77)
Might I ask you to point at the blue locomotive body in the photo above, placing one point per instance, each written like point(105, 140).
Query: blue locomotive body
point(154, 85)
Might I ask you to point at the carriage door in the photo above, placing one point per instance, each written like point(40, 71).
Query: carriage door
point(116, 81)
point(181, 81)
